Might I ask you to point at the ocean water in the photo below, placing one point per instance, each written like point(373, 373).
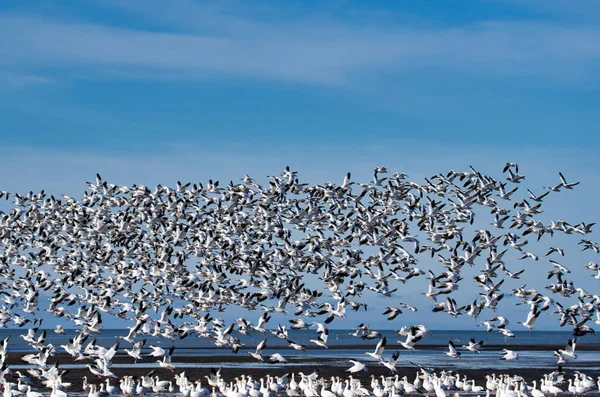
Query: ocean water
point(337, 338)
point(343, 347)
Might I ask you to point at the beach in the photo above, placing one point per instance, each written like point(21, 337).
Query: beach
point(234, 366)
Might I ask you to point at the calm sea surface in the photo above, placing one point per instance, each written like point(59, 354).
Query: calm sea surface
point(344, 347)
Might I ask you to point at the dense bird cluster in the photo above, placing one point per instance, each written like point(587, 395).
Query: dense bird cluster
point(169, 259)
point(311, 385)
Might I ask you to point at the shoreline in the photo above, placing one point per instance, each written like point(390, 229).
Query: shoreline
point(295, 365)
point(366, 347)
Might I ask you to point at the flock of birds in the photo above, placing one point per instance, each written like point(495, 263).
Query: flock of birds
point(311, 385)
point(168, 259)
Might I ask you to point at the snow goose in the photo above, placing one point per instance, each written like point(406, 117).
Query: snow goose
point(378, 349)
point(569, 350)
point(509, 355)
point(452, 352)
point(473, 346)
point(357, 366)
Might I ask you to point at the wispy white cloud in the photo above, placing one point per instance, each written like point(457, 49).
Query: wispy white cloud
point(10, 80)
point(324, 51)
point(585, 10)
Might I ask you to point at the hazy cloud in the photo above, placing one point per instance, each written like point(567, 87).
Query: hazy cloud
point(324, 51)
point(10, 80)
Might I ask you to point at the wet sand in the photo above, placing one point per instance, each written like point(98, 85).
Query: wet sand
point(295, 365)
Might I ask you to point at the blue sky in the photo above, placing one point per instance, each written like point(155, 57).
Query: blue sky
point(145, 92)
point(107, 77)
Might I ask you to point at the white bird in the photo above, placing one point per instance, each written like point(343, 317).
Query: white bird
point(262, 321)
point(322, 341)
point(452, 352)
point(136, 350)
point(391, 363)
point(551, 250)
point(166, 360)
point(564, 182)
point(378, 349)
point(559, 266)
point(560, 359)
point(277, 358)
point(569, 350)
point(531, 317)
point(509, 355)
point(259, 348)
point(473, 346)
point(357, 366)
point(157, 351)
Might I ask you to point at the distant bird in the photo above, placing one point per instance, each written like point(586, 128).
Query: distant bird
point(452, 352)
point(531, 317)
point(557, 250)
point(277, 358)
point(356, 367)
point(569, 350)
point(560, 359)
point(392, 312)
point(157, 351)
point(296, 346)
point(489, 326)
point(559, 266)
point(509, 165)
point(509, 355)
point(391, 363)
point(259, 348)
point(537, 198)
point(564, 182)
point(473, 346)
point(322, 340)
point(166, 360)
point(136, 350)
point(378, 349)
